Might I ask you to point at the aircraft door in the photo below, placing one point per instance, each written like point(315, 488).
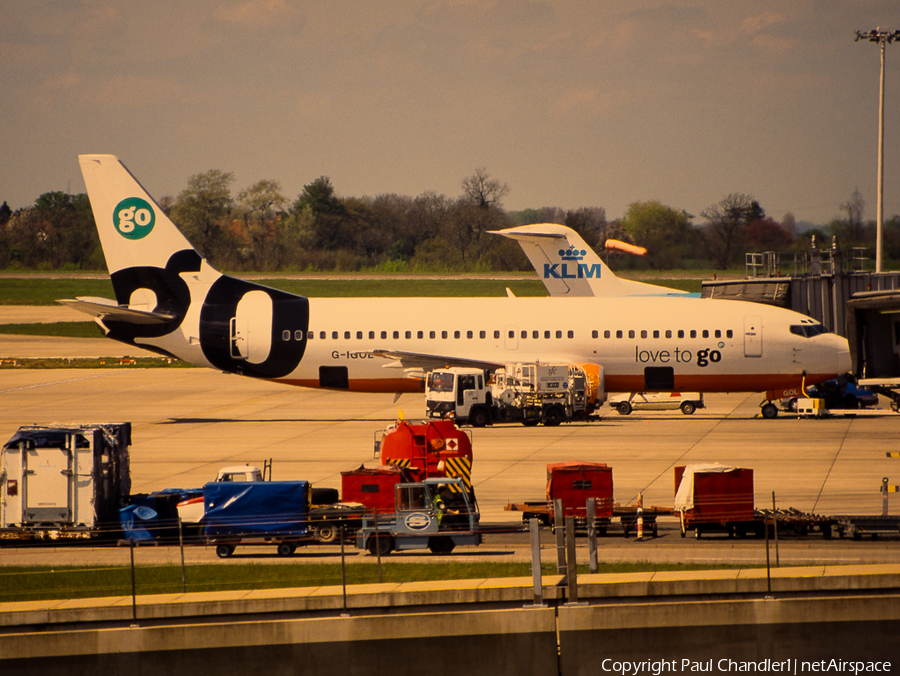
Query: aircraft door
point(47, 491)
point(659, 378)
point(753, 337)
point(239, 338)
point(511, 337)
point(251, 328)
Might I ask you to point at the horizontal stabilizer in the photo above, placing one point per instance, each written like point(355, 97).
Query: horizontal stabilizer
point(103, 309)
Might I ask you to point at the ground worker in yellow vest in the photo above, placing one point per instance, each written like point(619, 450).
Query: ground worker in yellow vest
point(446, 516)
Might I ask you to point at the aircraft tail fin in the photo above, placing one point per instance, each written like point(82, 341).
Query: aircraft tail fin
point(134, 231)
point(170, 300)
point(145, 252)
point(569, 267)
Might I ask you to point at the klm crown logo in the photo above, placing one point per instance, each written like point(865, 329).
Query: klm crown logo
point(571, 267)
point(572, 254)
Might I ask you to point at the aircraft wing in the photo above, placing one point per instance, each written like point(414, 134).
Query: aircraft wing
point(102, 309)
point(428, 362)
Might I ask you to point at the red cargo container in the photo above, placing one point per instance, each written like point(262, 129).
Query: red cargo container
point(575, 482)
point(715, 497)
point(372, 488)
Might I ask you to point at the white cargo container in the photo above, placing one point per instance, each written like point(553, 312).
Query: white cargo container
point(64, 481)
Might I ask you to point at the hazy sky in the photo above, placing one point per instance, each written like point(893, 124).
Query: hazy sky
point(571, 102)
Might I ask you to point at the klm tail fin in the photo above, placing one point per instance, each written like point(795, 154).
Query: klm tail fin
point(569, 267)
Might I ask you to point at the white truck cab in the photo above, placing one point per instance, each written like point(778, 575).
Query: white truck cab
point(239, 473)
point(460, 392)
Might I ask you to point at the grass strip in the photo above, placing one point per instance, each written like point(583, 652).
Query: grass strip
point(59, 329)
point(45, 583)
point(95, 363)
point(17, 291)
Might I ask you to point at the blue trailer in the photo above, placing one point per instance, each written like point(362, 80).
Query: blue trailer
point(256, 512)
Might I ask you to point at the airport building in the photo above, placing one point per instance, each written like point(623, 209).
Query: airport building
point(833, 286)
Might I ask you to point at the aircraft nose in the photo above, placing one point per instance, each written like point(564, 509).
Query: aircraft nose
point(844, 363)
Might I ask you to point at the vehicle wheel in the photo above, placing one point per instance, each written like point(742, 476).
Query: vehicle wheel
point(380, 546)
point(479, 417)
point(441, 545)
point(224, 551)
point(852, 403)
point(688, 407)
point(553, 416)
point(792, 405)
point(623, 408)
point(286, 549)
point(326, 533)
point(531, 422)
point(769, 410)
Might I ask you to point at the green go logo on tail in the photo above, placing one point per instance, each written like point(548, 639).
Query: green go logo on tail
point(134, 218)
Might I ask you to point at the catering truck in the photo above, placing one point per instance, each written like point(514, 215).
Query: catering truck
point(529, 393)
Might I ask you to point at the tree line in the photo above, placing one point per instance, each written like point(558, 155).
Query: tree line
point(260, 229)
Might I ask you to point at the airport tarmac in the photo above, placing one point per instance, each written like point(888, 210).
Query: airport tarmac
point(187, 423)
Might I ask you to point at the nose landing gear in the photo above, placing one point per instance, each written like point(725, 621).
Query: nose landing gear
point(768, 410)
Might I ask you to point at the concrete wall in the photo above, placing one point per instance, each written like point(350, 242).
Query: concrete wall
point(470, 627)
point(489, 642)
point(857, 628)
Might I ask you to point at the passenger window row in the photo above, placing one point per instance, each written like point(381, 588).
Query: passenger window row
point(523, 334)
point(420, 335)
point(668, 333)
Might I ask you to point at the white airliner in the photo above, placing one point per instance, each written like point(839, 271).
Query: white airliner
point(569, 267)
point(170, 300)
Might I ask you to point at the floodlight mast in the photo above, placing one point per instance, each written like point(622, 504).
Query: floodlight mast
point(882, 38)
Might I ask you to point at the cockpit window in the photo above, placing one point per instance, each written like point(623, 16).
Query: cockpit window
point(440, 382)
point(808, 330)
